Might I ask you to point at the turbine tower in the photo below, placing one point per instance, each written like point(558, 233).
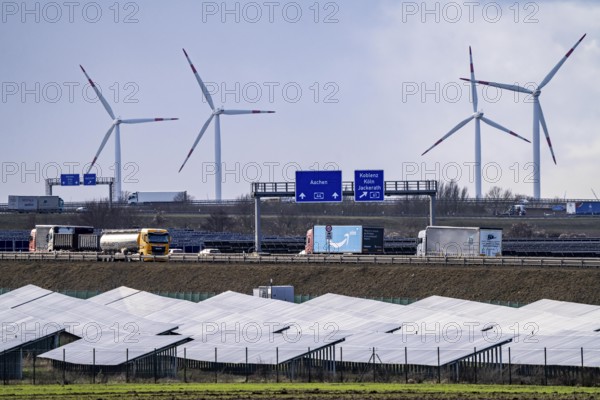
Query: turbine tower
point(117, 121)
point(478, 117)
point(538, 116)
point(216, 114)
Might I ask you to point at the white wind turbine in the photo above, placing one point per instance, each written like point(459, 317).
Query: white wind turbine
point(117, 121)
point(216, 114)
point(477, 116)
point(538, 116)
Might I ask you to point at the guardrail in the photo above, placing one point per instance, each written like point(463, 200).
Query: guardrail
point(316, 259)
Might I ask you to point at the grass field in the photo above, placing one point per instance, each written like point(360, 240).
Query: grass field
point(295, 391)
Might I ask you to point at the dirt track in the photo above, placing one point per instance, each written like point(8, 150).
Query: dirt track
point(473, 283)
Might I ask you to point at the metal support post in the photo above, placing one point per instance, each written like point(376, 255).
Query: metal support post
point(432, 210)
point(257, 233)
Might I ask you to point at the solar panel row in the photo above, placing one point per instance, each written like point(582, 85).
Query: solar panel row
point(125, 324)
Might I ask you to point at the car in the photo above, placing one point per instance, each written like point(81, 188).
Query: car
point(176, 251)
point(81, 209)
point(206, 252)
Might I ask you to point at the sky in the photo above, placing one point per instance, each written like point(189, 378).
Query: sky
point(355, 85)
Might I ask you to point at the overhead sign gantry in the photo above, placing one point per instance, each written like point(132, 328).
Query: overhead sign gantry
point(289, 189)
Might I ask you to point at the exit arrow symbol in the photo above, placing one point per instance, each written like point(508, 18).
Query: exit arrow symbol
point(335, 195)
point(302, 196)
point(364, 194)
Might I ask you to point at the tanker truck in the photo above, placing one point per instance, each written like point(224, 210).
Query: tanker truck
point(145, 241)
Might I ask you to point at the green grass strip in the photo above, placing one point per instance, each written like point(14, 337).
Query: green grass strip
point(292, 390)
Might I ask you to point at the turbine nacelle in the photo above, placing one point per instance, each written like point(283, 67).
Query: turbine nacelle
point(218, 111)
point(478, 114)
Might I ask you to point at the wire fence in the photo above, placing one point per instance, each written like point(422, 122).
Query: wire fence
point(25, 366)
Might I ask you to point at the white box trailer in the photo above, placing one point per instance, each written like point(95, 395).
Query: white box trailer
point(57, 237)
point(41, 204)
point(156, 197)
point(453, 241)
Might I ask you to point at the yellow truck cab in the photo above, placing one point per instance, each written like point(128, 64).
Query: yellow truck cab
point(154, 242)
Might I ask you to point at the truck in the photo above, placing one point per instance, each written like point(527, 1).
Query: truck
point(517, 210)
point(452, 241)
point(583, 208)
point(145, 241)
point(156, 197)
point(353, 239)
point(35, 204)
point(57, 237)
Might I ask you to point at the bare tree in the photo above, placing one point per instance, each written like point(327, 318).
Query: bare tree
point(182, 198)
point(100, 214)
point(451, 197)
point(217, 221)
point(499, 198)
point(243, 221)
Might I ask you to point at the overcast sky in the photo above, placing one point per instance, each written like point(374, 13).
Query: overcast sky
point(355, 85)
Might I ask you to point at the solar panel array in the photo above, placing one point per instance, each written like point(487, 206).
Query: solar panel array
point(238, 328)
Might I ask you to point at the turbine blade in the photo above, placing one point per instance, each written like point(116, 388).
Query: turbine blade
point(500, 127)
point(457, 127)
point(106, 137)
point(514, 88)
point(142, 120)
point(545, 128)
point(473, 87)
point(204, 127)
point(560, 63)
point(238, 112)
point(202, 86)
point(102, 99)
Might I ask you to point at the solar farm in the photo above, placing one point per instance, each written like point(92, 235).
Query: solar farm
point(135, 336)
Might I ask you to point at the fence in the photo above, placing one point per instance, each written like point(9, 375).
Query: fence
point(24, 366)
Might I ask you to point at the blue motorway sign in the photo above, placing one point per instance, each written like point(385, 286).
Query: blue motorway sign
point(318, 186)
point(368, 185)
point(69, 179)
point(89, 179)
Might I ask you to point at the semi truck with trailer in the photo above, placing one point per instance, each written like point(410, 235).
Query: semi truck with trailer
point(145, 241)
point(353, 239)
point(57, 237)
point(35, 204)
point(583, 208)
point(156, 197)
point(453, 241)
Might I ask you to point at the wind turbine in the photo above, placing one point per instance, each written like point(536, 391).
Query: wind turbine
point(216, 114)
point(117, 121)
point(538, 116)
point(477, 116)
